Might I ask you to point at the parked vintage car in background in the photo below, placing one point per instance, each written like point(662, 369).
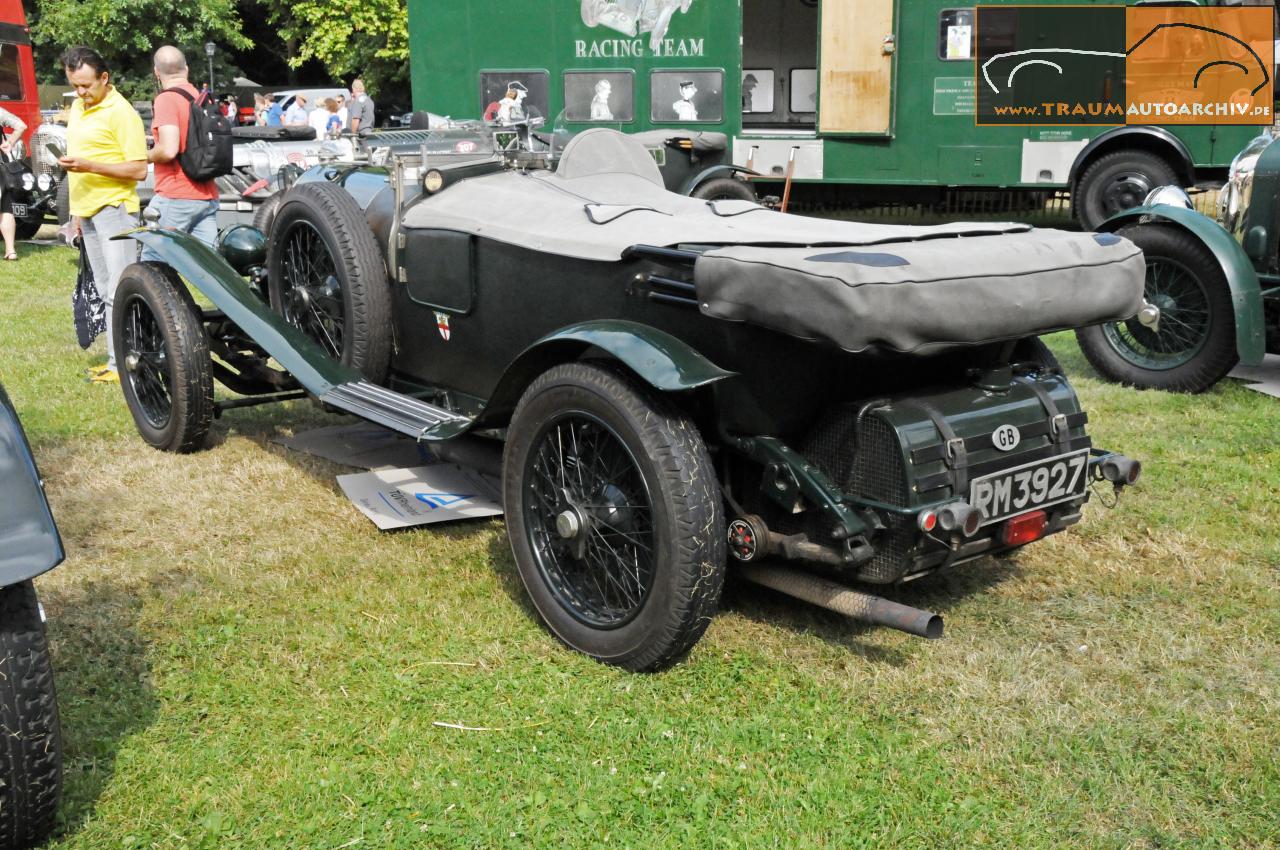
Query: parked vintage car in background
point(30, 736)
point(1212, 292)
point(675, 381)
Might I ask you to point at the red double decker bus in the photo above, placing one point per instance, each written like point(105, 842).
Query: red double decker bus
point(17, 67)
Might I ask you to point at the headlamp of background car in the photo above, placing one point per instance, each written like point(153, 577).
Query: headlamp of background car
point(433, 181)
point(1172, 196)
point(45, 182)
point(1233, 200)
point(28, 181)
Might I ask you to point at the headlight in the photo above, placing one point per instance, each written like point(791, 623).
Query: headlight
point(433, 181)
point(1172, 196)
point(28, 182)
point(45, 182)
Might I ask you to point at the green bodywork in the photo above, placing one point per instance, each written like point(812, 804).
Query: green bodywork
point(933, 139)
point(658, 358)
point(1246, 292)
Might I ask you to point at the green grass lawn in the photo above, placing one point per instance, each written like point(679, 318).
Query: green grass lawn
point(243, 661)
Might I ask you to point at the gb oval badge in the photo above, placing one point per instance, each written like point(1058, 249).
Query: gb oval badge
point(1006, 438)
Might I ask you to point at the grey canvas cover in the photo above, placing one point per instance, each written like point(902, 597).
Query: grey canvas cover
point(854, 285)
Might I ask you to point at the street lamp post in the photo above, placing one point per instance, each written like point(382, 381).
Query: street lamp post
point(209, 49)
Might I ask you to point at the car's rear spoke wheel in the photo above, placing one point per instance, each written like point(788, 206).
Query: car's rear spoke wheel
point(614, 516)
point(590, 521)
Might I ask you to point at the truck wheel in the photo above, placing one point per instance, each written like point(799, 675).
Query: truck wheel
point(1118, 181)
point(724, 189)
point(62, 201)
point(30, 736)
point(614, 517)
point(1194, 345)
point(163, 356)
point(326, 276)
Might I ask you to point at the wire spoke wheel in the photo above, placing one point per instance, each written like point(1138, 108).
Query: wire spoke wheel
point(327, 277)
point(312, 292)
point(590, 520)
point(614, 515)
point(1192, 344)
point(1183, 330)
point(146, 362)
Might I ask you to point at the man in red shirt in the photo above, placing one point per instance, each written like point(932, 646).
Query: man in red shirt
point(183, 204)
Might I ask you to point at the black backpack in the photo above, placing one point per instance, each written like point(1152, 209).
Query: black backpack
point(208, 152)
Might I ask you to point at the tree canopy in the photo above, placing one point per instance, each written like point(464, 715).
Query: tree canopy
point(347, 38)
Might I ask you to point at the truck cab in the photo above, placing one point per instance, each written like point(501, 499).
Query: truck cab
point(17, 67)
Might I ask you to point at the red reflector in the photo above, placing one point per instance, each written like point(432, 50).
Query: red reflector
point(927, 521)
point(1023, 529)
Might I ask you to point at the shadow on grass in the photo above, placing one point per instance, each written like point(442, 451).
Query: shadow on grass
point(104, 690)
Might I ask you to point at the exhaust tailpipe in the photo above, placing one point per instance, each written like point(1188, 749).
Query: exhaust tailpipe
point(843, 600)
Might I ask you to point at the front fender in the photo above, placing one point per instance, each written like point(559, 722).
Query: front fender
point(659, 359)
point(701, 177)
point(206, 270)
point(1246, 291)
point(29, 541)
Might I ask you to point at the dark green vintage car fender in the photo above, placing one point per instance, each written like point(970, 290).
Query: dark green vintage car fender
point(656, 357)
point(1246, 291)
point(29, 541)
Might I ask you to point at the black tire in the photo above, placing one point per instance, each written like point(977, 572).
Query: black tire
point(163, 356)
point(27, 227)
point(30, 734)
point(1195, 343)
point(342, 299)
point(62, 201)
point(264, 217)
point(724, 189)
point(1118, 181)
point(1032, 350)
point(647, 470)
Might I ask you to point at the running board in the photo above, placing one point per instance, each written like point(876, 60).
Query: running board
point(396, 411)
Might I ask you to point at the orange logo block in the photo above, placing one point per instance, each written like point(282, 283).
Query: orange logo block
point(1196, 65)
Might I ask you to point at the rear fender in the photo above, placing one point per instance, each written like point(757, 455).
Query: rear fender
point(656, 357)
point(206, 270)
point(701, 177)
point(1246, 292)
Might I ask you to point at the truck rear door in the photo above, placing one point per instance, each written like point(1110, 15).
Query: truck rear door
point(856, 61)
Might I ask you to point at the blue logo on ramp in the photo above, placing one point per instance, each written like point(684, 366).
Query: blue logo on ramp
point(442, 500)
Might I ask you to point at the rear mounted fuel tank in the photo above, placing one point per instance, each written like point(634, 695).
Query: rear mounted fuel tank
point(925, 448)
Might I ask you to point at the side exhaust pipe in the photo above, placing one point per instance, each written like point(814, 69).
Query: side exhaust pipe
point(843, 600)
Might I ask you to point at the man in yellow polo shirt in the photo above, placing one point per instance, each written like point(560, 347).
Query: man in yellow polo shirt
point(106, 157)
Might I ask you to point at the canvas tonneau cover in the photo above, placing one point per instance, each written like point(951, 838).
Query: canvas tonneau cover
point(854, 285)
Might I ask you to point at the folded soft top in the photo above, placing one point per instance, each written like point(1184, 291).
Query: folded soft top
point(854, 285)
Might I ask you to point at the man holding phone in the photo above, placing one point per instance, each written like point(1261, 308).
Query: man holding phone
point(106, 157)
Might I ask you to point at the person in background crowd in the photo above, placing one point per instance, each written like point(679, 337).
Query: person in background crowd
point(319, 118)
point(183, 204)
point(260, 107)
point(296, 115)
point(275, 113)
point(106, 157)
point(362, 113)
point(8, 224)
point(343, 114)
